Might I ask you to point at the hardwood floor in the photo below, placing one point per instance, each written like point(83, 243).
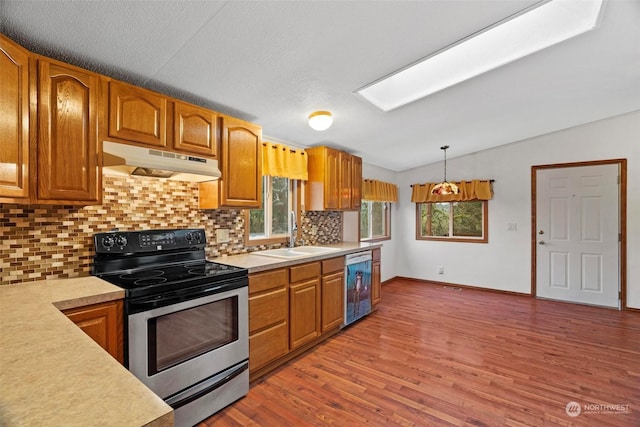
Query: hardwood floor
point(434, 356)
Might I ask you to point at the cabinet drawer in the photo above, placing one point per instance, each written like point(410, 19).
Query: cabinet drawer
point(268, 280)
point(333, 264)
point(303, 272)
point(268, 309)
point(268, 345)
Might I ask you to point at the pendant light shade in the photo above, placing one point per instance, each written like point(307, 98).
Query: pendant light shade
point(320, 120)
point(445, 187)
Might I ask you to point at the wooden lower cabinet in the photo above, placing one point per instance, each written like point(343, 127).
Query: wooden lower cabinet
point(332, 293)
point(268, 317)
point(304, 304)
point(103, 323)
point(375, 278)
point(291, 310)
point(304, 300)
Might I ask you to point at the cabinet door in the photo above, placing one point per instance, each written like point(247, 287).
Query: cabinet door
point(14, 129)
point(268, 317)
point(345, 180)
point(241, 166)
point(195, 129)
point(375, 283)
point(137, 115)
point(332, 301)
point(67, 135)
point(356, 182)
point(268, 327)
point(332, 179)
point(103, 323)
point(304, 300)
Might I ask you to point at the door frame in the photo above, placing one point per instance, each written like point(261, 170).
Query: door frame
point(622, 164)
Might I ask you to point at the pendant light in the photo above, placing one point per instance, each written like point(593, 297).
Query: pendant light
point(445, 187)
point(320, 120)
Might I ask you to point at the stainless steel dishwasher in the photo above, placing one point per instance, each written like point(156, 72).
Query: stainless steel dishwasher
point(357, 286)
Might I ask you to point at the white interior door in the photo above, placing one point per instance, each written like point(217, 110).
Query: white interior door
point(577, 221)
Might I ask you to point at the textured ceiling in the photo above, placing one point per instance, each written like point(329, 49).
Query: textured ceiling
point(274, 62)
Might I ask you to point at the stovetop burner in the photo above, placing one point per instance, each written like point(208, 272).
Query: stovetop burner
point(163, 278)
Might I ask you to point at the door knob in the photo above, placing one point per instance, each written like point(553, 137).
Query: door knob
point(541, 242)
point(541, 232)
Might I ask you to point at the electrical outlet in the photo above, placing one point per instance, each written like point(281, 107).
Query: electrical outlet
point(222, 235)
point(314, 229)
point(440, 269)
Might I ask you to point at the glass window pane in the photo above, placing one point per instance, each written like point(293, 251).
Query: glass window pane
point(439, 219)
point(364, 220)
point(467, 219)
point(377, 219)
point(279, 206)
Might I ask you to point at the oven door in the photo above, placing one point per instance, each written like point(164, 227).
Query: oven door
point(173, 347)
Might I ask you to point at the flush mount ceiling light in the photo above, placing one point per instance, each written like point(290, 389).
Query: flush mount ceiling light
point(320, 120)
point(506, 41)
point(445, 187)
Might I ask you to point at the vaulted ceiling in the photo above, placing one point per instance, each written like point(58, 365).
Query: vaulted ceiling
point(275, 62)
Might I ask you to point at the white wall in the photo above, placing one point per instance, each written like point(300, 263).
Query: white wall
point(505, 262)
point(389, 252)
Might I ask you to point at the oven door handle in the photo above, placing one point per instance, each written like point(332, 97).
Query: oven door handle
point(176, 401)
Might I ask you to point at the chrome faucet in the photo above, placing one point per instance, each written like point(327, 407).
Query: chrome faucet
point(293, 229)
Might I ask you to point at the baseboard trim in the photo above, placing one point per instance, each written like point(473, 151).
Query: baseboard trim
point(457, 285)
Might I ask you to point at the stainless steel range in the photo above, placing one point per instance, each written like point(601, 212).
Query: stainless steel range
point(186, 318)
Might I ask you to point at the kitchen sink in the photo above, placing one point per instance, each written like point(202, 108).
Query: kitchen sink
point(299, 252)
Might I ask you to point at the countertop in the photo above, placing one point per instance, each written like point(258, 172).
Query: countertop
point(53, 374)
point(256, 263)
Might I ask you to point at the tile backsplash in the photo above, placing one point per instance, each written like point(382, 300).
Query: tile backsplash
point(43, 241)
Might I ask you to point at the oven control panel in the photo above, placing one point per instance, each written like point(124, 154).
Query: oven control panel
point(119, 242)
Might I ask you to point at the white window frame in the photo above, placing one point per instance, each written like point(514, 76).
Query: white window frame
point(386, 206)
point(268, 236)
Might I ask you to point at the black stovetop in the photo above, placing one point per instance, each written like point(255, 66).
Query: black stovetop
point(154, 262)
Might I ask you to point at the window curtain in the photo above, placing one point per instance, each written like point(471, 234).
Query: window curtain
point(379, 191)
point(469, 190)
point(283, 161)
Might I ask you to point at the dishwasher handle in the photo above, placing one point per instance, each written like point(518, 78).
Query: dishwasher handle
point(358, 257)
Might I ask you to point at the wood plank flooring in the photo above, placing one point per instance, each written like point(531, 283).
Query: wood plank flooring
point(432, 356)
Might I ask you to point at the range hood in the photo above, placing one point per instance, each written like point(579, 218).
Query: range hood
point(123, 159)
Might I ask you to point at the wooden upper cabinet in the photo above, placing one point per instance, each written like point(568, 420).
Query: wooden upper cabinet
point(345, 180)
point(323, 185)
point(356, 182)
point(335, 180)
point(240, 164)
point(14, 129)
point(195, 129)
point(137, 115)
point(67, 149)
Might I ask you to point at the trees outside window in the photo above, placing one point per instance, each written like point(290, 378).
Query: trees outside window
point(452, 221)
point(375, 220)
point(270, 224)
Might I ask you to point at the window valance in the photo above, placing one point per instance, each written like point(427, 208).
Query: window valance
point(283, 161)
point(379, 191)
point(469, 190)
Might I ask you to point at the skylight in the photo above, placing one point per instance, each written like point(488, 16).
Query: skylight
point(548, 24)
